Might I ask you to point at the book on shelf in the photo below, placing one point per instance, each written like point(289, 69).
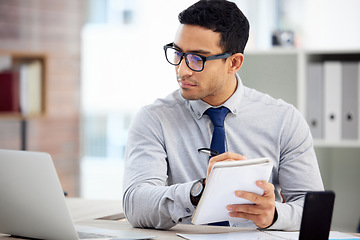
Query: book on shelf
point(31, 88)
point(9, 91)
point(21, 89)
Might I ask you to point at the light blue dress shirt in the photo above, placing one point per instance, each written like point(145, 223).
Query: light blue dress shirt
point(162, 161)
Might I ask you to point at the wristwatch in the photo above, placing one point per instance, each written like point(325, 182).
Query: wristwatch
point(196, 191)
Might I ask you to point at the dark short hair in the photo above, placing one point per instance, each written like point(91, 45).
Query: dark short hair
point(220, 16)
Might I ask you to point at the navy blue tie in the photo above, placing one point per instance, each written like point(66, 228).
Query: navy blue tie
point(217, 116)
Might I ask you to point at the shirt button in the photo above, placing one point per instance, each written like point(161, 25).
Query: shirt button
point(187, 210)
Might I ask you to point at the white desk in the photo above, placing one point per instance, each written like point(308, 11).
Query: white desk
point(88, 212)
point(84, 209)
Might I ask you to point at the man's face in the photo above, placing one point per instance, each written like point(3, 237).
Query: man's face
point(211, 84)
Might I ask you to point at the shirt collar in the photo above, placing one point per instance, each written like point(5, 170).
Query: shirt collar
point(198, 107)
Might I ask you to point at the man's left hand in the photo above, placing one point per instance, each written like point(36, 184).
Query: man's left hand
point(262, 212)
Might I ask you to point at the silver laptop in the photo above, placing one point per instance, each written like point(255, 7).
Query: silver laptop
point(32, 202)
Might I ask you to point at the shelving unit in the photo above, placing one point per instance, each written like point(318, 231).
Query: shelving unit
point(29, 84)
point(282, 73)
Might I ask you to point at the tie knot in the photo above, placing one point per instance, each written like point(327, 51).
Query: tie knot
point(217, 115)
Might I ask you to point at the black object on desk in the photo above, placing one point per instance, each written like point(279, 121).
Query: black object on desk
point(317, 215)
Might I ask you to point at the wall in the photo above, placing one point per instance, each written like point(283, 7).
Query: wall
point(50, 27)
point(331, 24)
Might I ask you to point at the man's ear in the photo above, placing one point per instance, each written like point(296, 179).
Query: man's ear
point(236, 60)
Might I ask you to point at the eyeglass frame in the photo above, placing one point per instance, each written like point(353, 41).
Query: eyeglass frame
point(204, 58)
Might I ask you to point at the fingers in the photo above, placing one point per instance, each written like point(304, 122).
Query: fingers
point(260, 220)
point(267, 187)
point(262, 211)
point(228, 156)
point(259, 200)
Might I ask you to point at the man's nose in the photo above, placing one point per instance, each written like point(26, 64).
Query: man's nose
point(183, 69)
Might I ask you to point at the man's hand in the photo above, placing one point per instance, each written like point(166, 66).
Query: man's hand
point(228, 156)
point(262, 212)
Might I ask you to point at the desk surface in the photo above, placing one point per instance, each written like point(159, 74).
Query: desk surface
point(90, 212)
point(85, 209)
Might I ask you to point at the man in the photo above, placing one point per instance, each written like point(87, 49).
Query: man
point(162, 163)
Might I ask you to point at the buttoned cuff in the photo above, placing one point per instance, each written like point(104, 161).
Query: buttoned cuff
point(184, 209)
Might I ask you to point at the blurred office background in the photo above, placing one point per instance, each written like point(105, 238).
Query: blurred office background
point(104, 60)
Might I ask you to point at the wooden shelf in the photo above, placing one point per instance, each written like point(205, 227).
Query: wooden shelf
point(30, 70)
point(25, 76)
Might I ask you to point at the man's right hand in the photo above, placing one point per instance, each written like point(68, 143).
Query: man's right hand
point(227, 156)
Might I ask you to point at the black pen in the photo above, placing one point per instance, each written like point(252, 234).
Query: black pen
point(208, 151)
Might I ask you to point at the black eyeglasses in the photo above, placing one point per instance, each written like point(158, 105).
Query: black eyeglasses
point(195, 62)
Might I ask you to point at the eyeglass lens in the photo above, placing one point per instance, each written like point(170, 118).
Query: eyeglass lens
point(193, 61)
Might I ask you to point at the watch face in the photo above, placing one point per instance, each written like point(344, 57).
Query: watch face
point(196, 189)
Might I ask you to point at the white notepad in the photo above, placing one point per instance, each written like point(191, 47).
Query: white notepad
point(225, 178)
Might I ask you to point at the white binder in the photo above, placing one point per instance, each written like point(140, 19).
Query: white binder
point(332, 100)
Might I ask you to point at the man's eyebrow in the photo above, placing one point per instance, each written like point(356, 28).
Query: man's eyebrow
point(199, 51)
